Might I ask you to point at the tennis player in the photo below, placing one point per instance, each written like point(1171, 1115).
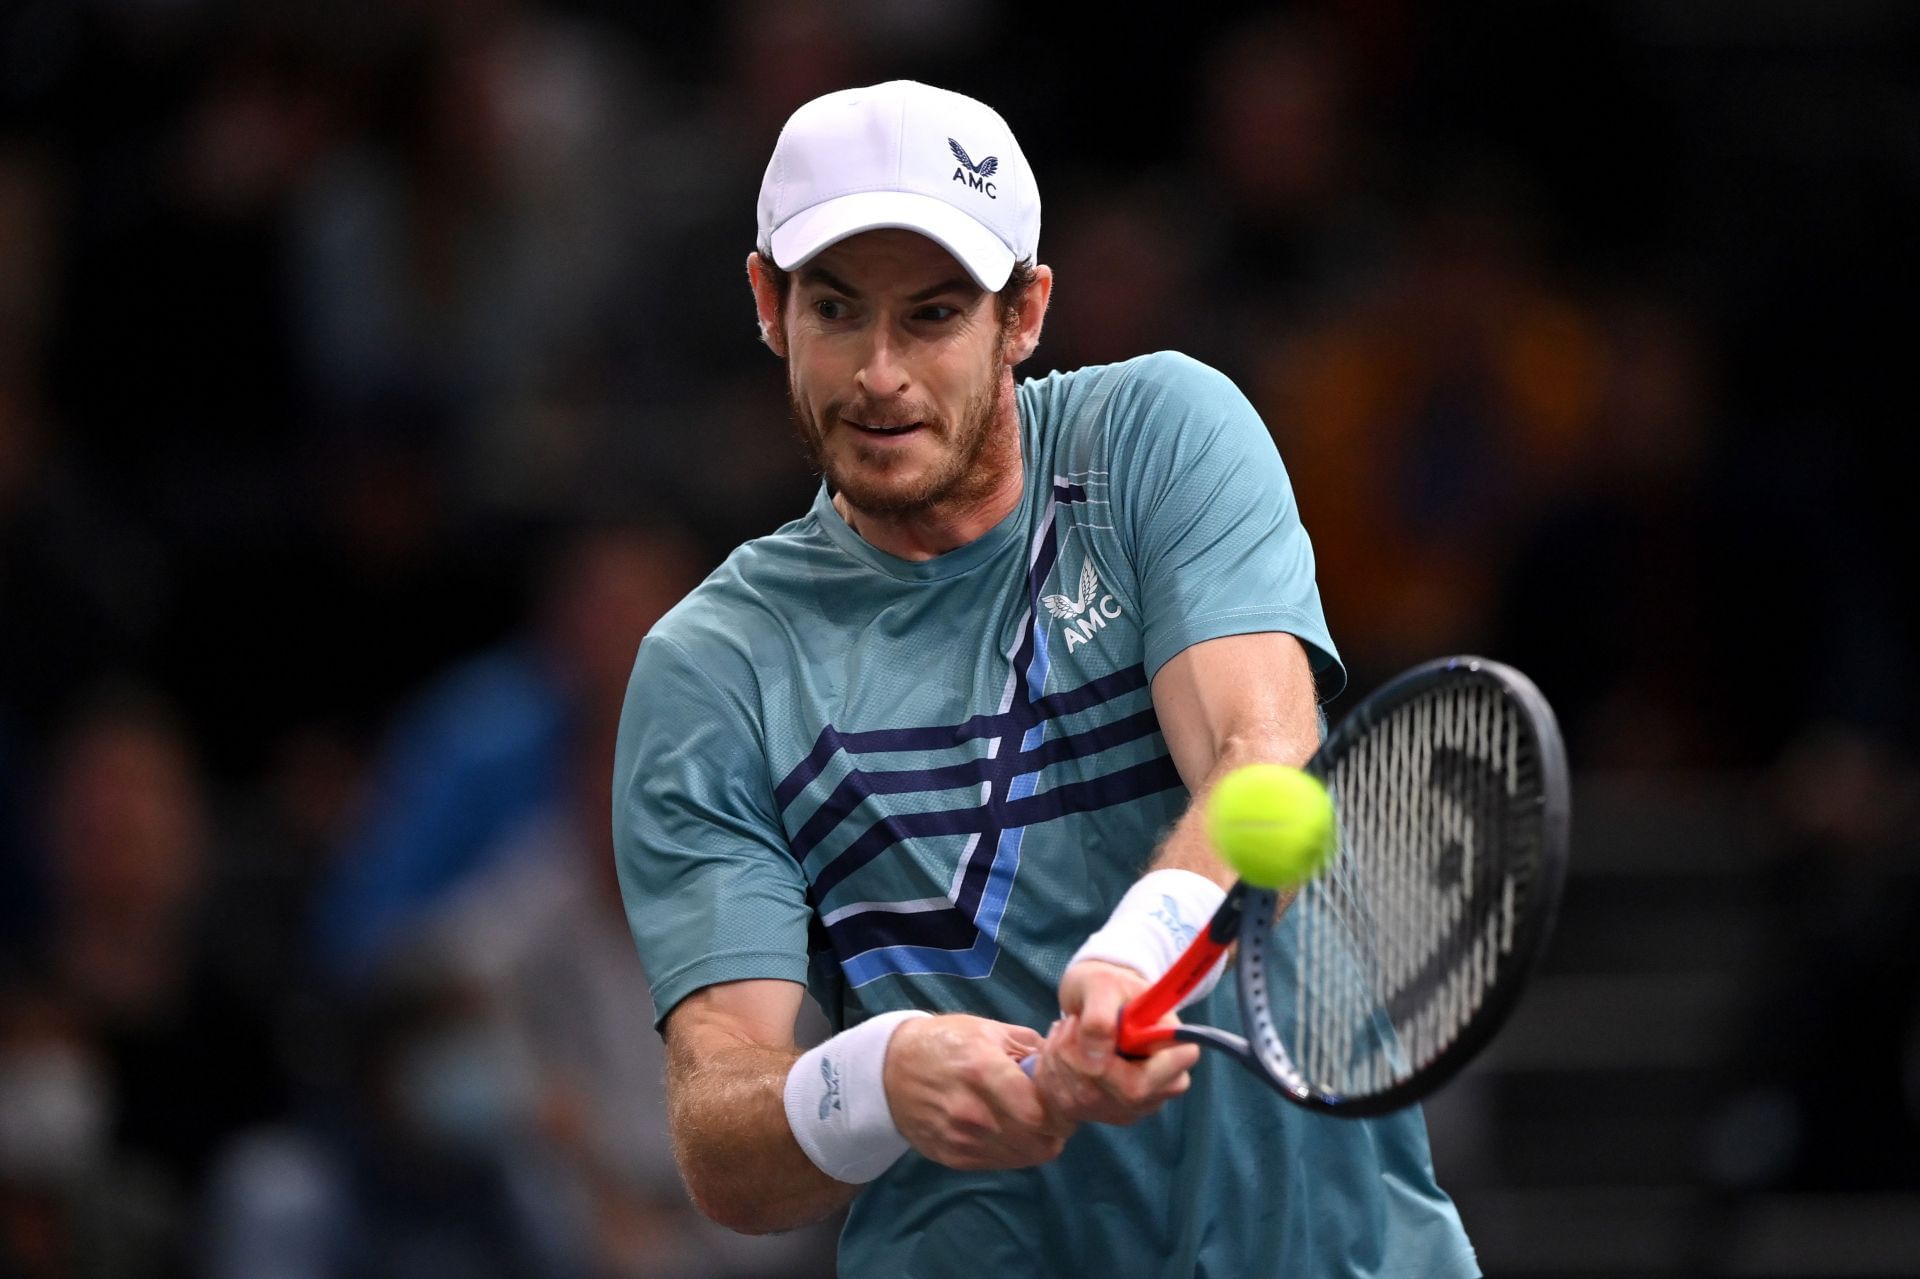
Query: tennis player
point(930, 751)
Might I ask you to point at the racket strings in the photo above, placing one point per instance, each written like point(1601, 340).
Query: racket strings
point(1397, 943)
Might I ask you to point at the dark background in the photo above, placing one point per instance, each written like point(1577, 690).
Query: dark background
point(370, 377)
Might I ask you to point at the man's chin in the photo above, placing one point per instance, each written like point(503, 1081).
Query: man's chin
point(876, 483)
point(891, 496)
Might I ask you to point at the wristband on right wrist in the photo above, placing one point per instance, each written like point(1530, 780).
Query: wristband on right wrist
point(1153, 924)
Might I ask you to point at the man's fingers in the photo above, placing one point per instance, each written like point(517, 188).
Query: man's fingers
point(1042, 1110)
point(1140, 1087)
point(1008, 1090)
point(1098, 1022)
point(1164, 1074)
point(1068, 1097)
point(1004, 1124)
point(1096, 990)
point(1017, 1097)
point(1081, 1072)
point(1022, 1042)
point(1063, 1033)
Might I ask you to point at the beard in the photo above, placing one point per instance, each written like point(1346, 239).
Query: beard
point(961, 471)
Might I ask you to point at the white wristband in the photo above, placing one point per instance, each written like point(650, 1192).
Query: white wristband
point(836, 1098)
point(1154, 922)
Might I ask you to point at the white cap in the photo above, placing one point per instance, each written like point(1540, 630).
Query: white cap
point(906, 155)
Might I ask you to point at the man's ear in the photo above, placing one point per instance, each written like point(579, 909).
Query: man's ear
point(766, 301)
point(1024, 337)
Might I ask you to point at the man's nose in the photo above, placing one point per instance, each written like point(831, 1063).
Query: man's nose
point(883, 374)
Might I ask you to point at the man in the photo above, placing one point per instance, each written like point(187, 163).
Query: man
point(916, 748)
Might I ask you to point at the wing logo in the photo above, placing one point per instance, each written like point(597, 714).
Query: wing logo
point(1169, 918)
point(830, 1099)
point(975, 176)
point(1088, 611)
point(1063, 608)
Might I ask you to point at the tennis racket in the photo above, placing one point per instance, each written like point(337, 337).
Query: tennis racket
point(1382, 976)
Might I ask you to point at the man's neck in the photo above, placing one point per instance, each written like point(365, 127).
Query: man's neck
point(943, 528)
point(949, 525)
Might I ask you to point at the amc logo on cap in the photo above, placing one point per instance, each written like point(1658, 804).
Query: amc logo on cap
point(975, 175)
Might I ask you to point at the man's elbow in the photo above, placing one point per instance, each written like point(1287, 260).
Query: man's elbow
point(1265, 743)
point(741, 1216)
point(744, 1212)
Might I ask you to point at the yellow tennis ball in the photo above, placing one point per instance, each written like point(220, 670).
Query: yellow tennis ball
point(1273, 824)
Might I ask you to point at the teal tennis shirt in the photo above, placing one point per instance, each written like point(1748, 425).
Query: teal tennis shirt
point(923, 784)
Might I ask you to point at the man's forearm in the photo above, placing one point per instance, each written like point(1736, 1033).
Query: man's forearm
point(1241, 699)
point(1186, 846)
point(730, 1134)
point(1185, 882)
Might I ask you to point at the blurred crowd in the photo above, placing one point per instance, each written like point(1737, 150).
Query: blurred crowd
point(372, 376)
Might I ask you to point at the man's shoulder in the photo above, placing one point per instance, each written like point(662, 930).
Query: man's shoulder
point(734, 600)
point(1103, 396)
point(1172, 376)
point(1158, 369)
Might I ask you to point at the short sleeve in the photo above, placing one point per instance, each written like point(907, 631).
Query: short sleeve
point(712, 894)
point(1208, 512)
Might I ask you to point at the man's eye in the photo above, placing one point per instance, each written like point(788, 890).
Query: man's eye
point(830, 309)
point(938, 313)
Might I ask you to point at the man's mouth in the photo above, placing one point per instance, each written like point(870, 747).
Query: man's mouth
point(884, 428)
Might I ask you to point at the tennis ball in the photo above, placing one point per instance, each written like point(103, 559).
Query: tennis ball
point(1272, 824)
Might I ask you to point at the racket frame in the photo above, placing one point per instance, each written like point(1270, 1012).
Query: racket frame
point(1247, 914)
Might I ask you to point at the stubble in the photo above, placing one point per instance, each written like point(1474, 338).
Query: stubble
point(969, 467)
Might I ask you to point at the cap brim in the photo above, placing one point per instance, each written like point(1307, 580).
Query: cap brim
point(984, 255)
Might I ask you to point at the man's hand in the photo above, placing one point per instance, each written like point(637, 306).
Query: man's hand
point(1080, 1074)
point(958, 1094)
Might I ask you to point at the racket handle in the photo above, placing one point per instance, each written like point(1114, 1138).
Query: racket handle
point(1140, 1032)
point(1141, 1044)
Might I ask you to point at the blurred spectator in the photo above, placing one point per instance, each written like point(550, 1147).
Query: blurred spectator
point(72, 1204)
point(781, 53)
point(1607, 598)
point(1425, 422)
point(1123, 267)
point(1283, 151)
point(20, 885)
point(77, 589)
point(486, 746)
point(280, 842)
point(1822, 1093)
point(1286, 205)
point(452, 259)
point(420, 1166)
point(130, 947)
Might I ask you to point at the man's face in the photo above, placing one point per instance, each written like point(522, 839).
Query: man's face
point(896, 372)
